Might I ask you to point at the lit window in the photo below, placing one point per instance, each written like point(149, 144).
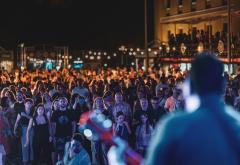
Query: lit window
point(180, 6)
point(168, 3)
point(208, 3)
point(193, 6)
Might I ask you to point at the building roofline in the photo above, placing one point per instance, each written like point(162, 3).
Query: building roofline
point(189, 17)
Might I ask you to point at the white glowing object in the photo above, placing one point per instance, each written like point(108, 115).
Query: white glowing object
point(107, 123)
point(88, 133)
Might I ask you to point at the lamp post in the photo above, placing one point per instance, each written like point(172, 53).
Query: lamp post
point(146, 35)
point(229, 35)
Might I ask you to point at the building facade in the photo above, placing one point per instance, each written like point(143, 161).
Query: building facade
point(6, 59)
point(188, 16)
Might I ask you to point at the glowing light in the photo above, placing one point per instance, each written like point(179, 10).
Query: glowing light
point(155, 53)
point(134, 53)
point(88, 133)
point(114, 54)
point(98, 57)
point(138, 49)
point(131, 49)
point(79, 58)
point(107, 124)
point(58, 67)
point(132, 63)
point(174, 48)
point(149, 49)
point(91, 57)
point(99, 53)
point(100, 117)
point(130, 53)
point(142, 53)
point(86, 56)
point(105, 65)
point(160, 48)
point(168, 49)
point(70, 57)
point(94, 53)
point(90, 52)
point(108, 57)
point(104, 53)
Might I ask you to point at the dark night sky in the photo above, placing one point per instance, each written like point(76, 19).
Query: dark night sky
point(77, 23)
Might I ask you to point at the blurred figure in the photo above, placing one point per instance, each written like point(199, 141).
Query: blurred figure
point(121, 105)
point(99, 148)
point(143, 133)
point(212, 128)
point(208, 135)
point(20, 129)
point(158, 111)
point(64, 126)
point(121, 127)
point(5, 135)
point(74, 153)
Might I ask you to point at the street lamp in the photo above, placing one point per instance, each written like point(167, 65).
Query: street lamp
point(146, 35)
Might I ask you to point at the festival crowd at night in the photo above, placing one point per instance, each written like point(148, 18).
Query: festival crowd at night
point(40, 110)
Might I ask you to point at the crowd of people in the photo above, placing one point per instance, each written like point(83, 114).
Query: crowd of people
point(209, 41)
point(40, 110)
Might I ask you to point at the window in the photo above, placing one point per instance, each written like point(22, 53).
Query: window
point(180, 6)
point(193, 6)
point(180, 2)
point(208, 4)
point(168, 4)
point(224, 2)
point(194, 2)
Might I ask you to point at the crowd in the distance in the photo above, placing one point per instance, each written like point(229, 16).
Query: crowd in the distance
point(40, 110)
point(192, 39)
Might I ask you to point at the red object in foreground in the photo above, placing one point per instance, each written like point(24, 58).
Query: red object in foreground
point(87, 119)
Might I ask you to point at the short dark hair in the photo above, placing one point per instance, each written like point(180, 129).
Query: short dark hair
point(77, 137)
point(206, 75)
point(120, 113)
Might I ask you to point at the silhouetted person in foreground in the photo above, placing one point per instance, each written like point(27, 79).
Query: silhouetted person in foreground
point(209, 134)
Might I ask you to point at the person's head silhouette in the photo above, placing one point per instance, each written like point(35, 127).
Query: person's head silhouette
point(206, 75)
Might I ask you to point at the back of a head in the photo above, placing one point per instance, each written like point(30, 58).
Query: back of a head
point(206, 74)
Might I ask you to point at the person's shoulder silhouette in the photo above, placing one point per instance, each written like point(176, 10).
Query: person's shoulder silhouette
point(208, 135)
